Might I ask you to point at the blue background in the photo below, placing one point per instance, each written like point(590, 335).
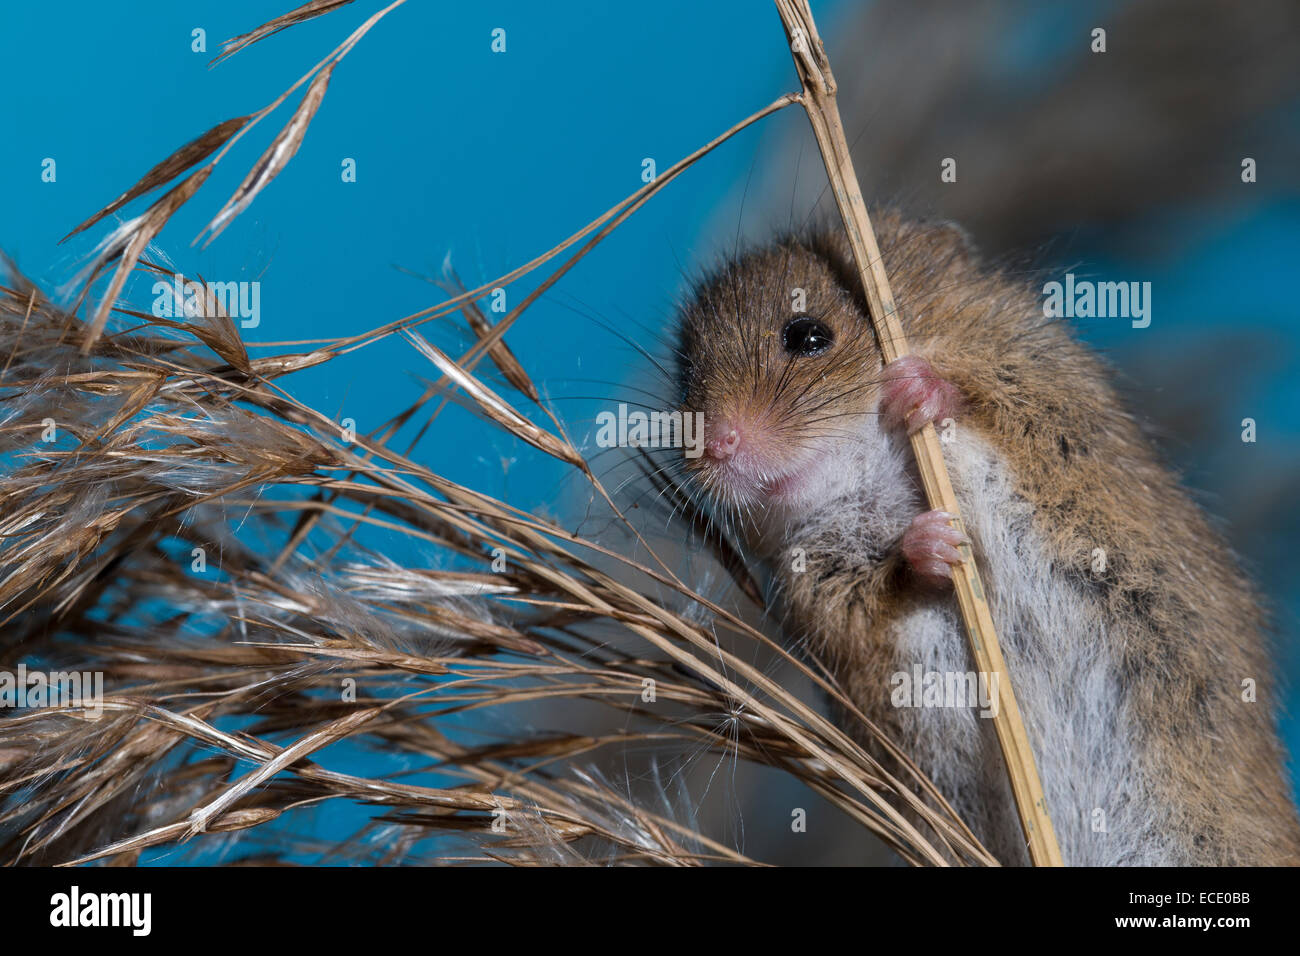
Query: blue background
point(495, 158)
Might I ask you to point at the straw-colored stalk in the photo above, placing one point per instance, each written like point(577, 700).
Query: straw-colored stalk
point(818, 99)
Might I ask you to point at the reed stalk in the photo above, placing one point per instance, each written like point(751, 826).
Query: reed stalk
point(818, 100)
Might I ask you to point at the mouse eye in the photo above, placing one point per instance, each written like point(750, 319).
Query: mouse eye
point(805, 336)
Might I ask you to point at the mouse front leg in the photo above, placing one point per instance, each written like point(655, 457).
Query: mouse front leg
point(930, 547)
point(913, 395)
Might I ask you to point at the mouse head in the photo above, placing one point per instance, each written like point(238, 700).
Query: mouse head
point(784, 366)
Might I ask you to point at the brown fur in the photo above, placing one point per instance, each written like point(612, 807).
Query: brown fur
point(1186, 621)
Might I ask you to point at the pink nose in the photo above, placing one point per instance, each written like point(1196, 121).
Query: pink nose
point(724, 442)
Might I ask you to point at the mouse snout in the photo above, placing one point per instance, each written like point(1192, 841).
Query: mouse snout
point(745, 460)
point(723, 440)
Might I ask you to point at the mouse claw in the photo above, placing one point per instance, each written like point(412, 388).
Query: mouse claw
point(914, 395)
point(930, 545)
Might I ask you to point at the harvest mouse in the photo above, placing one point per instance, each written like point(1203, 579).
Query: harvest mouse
point(1135, 643)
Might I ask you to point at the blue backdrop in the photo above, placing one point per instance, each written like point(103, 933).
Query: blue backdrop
point(496, 157)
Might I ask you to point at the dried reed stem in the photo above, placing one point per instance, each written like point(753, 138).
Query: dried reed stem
point(819, 102)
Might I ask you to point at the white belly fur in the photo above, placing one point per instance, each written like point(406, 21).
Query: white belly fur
point(1052, 637)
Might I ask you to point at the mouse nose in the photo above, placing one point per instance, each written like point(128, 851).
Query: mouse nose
point(724, 442)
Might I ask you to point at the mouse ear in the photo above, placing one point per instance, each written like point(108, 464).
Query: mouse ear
point(952, 241)
point(924, 241)
point(912, 248)
point(909, 247)
point(900, 238)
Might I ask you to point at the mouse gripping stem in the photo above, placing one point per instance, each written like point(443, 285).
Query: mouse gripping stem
point(818, 99)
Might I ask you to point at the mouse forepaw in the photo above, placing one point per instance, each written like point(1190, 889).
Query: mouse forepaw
point(929, 547)
point(914, 394)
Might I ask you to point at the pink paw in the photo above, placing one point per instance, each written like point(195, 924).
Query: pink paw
point(930, 547)
point(915, 395)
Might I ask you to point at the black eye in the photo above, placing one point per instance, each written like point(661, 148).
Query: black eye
point(805, 336)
